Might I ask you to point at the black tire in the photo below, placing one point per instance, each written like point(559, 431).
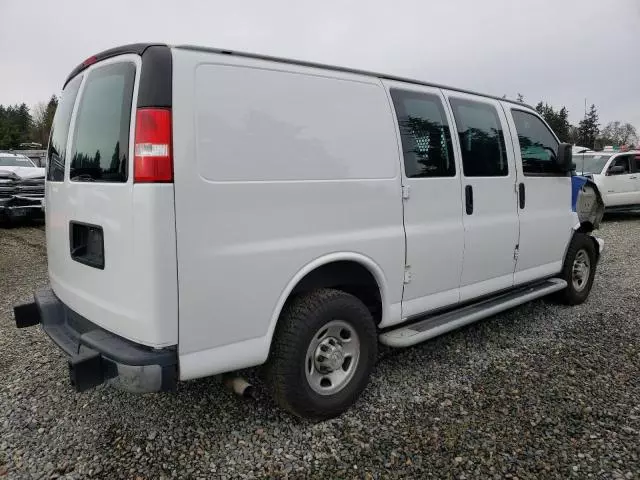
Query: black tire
point(301, 324)
point(573, 295)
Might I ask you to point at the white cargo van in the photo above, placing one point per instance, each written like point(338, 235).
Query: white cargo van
point(209, 210)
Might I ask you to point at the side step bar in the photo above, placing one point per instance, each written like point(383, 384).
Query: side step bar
point(435, 325)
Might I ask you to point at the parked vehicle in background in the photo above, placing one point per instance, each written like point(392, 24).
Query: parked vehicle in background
point(617, 176)
point(31, 145)
point(38, 157)
point(576, 149)
point(293, 214)
point(21, 187)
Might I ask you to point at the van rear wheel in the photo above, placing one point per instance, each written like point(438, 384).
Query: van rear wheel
point(579, 270)
point(323, 352)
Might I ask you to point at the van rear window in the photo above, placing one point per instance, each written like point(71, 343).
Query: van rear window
point(101, 139)
point(59, 131)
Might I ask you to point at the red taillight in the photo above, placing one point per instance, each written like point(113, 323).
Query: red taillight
point(153, 159)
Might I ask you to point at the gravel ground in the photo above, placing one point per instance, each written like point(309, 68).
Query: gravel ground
point(543, 391)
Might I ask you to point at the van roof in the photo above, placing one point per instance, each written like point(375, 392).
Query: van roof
point(341, 69)
point(139, 48)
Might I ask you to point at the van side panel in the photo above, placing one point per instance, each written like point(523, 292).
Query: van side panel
point(266, 126)
point(275, 166)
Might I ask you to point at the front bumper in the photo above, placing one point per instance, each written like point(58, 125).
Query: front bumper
point(22, 207)
point(600, 243)
point(96, 356)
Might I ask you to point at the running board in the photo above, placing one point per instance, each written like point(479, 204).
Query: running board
point(435, 325)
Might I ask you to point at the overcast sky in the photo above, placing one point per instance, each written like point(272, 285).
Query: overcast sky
point(560, 51)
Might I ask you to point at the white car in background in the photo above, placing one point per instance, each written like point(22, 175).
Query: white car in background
point(617, 176)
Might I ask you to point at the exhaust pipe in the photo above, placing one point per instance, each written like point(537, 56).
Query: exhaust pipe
point(238, 385)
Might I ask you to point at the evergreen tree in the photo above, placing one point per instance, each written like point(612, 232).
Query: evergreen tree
point(23, 124)
point(15, 126)
point(589, 128)
point(4, 135)
point(558, 121)
point(563, 126)
point(115, 159)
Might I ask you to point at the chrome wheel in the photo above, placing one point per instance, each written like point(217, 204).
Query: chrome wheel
point(581, 270)
point(332, 357)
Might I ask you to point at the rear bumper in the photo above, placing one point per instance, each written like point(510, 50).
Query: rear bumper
point(96, 356)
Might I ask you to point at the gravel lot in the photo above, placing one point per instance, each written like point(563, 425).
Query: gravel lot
point(543, 391)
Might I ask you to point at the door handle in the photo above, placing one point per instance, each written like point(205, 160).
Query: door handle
point(468, 199)
point(634, 177)
point(521, 196)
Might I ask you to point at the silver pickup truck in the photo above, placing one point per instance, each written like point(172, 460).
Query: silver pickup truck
point(21, 187)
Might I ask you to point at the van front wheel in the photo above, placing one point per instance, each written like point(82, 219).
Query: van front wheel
point(323, 352)
point(579, 270)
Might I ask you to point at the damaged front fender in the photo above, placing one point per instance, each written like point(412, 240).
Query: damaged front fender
point(587, 202)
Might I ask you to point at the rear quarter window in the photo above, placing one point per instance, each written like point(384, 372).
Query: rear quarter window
point(101, 140)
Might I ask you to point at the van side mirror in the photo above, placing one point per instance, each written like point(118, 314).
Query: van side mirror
point(616, 170)
point(564, 158)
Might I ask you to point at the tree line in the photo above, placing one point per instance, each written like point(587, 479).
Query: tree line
point(19, 124)
point(587, 133)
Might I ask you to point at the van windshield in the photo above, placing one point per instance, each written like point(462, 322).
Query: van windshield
point(590, 162)
point(101, 139)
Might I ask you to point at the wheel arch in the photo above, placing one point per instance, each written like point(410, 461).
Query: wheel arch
point(304, 278)
point(585, 228)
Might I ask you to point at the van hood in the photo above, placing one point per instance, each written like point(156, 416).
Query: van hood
point(24, 172)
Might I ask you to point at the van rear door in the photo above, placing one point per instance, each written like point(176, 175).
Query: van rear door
point(111, 240)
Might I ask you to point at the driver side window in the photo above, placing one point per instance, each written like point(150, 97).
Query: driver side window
point(538, 146)
point(621, 162)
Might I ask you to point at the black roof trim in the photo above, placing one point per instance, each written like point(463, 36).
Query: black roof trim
point(344, 69)
point(135, 48)
point(156, 80)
